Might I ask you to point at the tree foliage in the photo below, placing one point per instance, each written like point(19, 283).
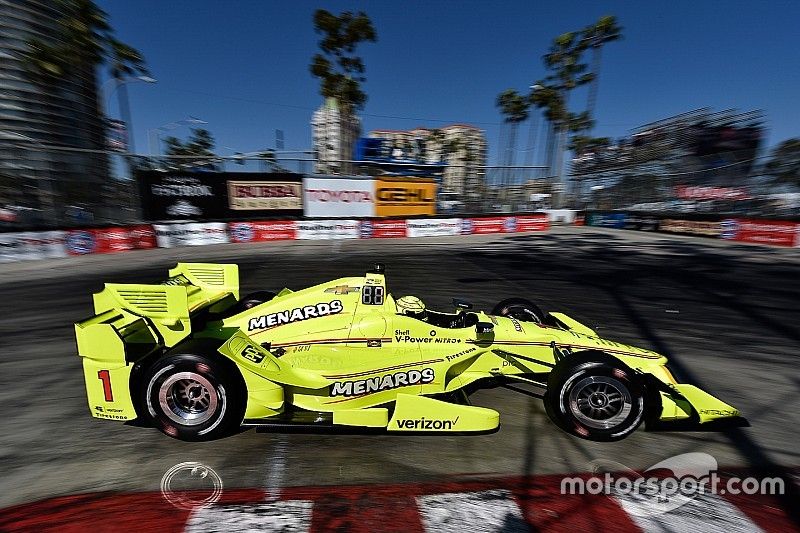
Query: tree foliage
point(513, 106)
point(567, 71)
point(339, 69)
point(200, 143)
point(84, 40)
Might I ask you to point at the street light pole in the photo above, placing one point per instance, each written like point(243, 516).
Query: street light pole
point(124, 104)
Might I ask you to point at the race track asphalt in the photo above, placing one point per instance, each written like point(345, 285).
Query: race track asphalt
point(726, 314)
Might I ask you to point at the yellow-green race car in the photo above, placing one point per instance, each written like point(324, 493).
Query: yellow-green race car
point(192, 358)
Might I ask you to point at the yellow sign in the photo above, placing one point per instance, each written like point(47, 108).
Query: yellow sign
point(264, 195)
point(401, 197)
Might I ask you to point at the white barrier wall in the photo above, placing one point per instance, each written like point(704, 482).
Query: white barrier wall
point(44, 244)
point(29, 245)
point(437, 227)
point(326, 229)
point(191, 234)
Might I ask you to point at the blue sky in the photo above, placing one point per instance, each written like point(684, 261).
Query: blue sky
point(243, 65)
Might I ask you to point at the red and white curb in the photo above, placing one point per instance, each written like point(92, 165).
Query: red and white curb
point(505, 504)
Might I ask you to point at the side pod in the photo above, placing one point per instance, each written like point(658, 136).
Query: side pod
point(419, 413)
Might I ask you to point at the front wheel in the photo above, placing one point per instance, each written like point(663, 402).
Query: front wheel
point(193, 397)
point(595, 400)
point(519, 308)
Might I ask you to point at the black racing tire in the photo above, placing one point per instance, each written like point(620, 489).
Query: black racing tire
point(253, 299)
point(193, 397)
point(246, 303)
point(519, 308)
point(595, 398)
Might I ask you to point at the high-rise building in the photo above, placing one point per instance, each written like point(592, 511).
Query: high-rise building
point(334, 131)
point(38, 114)
point(461, 146)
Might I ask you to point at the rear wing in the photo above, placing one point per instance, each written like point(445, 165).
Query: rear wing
point(132, 320)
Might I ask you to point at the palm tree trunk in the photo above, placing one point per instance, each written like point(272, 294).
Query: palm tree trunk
point(501, 156)
point(593, 87)
point(512, 145)
point(531, 151)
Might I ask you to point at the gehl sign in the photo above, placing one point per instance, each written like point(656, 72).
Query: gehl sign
point(401, 197)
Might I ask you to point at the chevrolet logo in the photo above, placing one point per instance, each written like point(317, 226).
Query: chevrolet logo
point(343, 289)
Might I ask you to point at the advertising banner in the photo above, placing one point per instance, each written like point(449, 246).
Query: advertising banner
point(176, 195)
point(327, 229)
point(711, 193)
point(606, 220)
point(641, 222)
point(703, 228)
point(438, 227)
point(109, 240)
point(191, 234)
point(532, 223)
point(203, 195)
point(30, 245)
point(264, 195)
point(404, 197)
point(774, 232)
point(272, 230)
point(338, 197)
point(482, 226)
point(382, 229)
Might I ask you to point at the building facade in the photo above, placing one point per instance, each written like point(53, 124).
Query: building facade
point(37, 114)
point(461, 146)
point(334, 132)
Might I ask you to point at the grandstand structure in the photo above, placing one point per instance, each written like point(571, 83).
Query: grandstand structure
point(700, 149)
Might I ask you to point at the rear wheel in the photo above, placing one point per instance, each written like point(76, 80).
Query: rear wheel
point(255, 298)
point(519, 308)
point(193, 397)
point(595, 399)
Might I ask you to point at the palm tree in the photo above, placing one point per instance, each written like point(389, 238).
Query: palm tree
point(605, 30)
point(514, 108)
point(340, 71)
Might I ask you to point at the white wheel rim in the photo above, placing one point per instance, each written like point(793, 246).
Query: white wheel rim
point(188, 398)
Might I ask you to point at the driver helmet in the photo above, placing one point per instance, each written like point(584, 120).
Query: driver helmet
point(411, 305)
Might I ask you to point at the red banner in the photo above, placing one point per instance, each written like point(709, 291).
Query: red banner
point(142, 237)
point(532, 223)
point(273, 230)
point(109, 240)
point(482, 226)
point(382, 229)
point(774, 232)
point(711, 193)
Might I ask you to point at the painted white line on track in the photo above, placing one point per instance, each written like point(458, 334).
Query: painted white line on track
point(706, 513)
point(276, 469)
point(492, 510)
point(291, 516)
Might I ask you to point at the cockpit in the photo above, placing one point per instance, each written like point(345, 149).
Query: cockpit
point(413, 307)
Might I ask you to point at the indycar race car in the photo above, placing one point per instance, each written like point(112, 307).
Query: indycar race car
point(191, 358)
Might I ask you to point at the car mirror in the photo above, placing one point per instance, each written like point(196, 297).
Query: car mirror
point(482, 328)
point(462, 304)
